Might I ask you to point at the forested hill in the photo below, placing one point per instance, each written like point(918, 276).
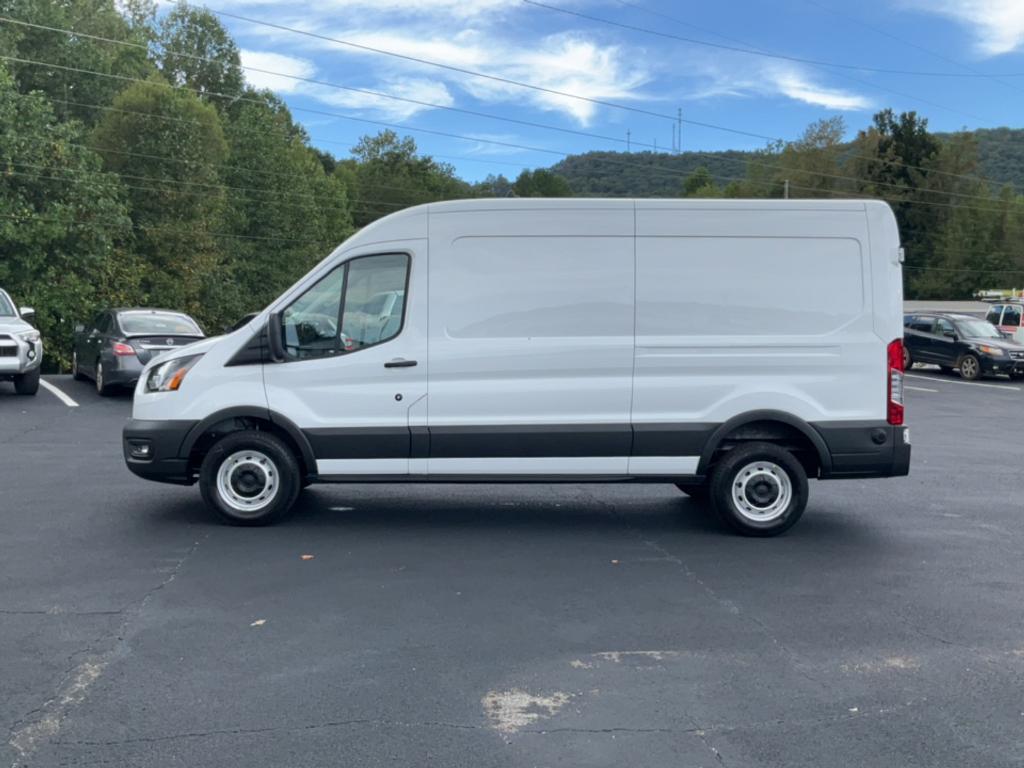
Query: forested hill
point(649, 174)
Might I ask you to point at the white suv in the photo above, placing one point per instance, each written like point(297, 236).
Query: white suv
point(21, 348)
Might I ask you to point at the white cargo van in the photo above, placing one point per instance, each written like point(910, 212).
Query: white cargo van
point(734, 348)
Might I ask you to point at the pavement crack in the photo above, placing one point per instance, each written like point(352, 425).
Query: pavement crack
point(44, 722)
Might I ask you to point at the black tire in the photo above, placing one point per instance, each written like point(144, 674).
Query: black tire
point(76, 374)
point(784, 495)
point(908, 359)
point(102, 388)
point(970, 367)
point(27, 383)
point(945, 369)
point(1016, 375)
point(698, 493)
point(279, 477)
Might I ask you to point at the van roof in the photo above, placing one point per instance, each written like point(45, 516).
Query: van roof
point(568, 203)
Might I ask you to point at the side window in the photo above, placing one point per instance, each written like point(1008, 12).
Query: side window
point(923, 324)
point(994, 314)
point(1011, 316)
point(103, 323)
point(374, 307)
point(332, 317)
point(944, 327)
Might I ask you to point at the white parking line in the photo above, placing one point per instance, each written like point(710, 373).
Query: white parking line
point(921, 389)
point(58, 394)
point(963, 383)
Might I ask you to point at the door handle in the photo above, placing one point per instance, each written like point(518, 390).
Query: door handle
point(399, 363)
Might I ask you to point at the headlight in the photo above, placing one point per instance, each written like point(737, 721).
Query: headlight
point(994, 351)
point(30, 336)
point(167, 377)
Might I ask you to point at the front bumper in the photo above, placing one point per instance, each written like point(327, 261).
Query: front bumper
point(18, 356)
point(865, 449)
point(152, 450)
point(1005, 364)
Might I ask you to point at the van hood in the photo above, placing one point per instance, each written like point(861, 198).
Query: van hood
point(13, 324)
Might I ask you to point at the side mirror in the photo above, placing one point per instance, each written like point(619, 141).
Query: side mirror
point(274, 340)
point(79, 328)
point(27, 312)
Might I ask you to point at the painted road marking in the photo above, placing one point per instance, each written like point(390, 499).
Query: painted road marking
point(963, 383)
point(921, 389)
point(60, 395)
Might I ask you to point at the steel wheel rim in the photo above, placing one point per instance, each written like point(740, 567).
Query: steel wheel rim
point(74, 363)
point(99, 376)
point(969, 367)
point(762, 491)
point(906, 359)
point(248, 482)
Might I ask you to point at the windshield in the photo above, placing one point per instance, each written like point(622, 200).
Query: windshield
point(158, 324)
point(6, 307)
point(978, 329)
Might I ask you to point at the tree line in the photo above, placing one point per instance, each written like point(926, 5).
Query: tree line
point(146, 171)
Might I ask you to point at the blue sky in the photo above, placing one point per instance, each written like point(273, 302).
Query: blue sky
point(555, 50)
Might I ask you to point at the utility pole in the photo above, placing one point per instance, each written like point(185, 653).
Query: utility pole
point(627, 140)
point(655, 145)
point(679, 129)
point(785, 190)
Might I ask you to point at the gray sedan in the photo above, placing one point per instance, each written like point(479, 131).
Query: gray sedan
point(115, 347)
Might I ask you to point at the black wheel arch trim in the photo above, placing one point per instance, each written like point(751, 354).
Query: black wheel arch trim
point(255, 412)
point(750, 417)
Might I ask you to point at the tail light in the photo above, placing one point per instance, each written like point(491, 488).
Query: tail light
point(895, 378)
point(123, 350)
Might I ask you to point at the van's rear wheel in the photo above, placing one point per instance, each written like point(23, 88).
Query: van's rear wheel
point(759, 489)
point(249, 478)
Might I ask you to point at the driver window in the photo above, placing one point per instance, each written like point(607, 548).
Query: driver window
point(367, 296)
point(311, 322)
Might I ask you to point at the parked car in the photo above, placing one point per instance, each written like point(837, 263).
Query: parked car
point(114, 348)
point(1008, 318)
point(974, 346)
point(21, 348)
point(568, 340)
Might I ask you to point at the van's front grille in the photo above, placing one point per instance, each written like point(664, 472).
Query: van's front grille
point(8, 351)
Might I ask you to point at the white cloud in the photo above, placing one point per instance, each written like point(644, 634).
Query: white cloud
point(415, 89)
point(275, 62)
point(998, 24)
point(463, 9)
point(795, 85)
point(734, 77)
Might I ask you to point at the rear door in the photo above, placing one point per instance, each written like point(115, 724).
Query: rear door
point(918, 338)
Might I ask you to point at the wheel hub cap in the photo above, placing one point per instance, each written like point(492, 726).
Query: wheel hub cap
point(247, 482)
point(762, 491)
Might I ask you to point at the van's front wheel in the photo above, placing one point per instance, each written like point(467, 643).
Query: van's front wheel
point(759, 489)
point(249, 478)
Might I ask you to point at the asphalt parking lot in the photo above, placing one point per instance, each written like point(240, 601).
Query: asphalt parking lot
point(555, 625)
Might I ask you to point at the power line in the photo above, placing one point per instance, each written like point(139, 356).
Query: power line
point(756, 52)
point(676, 118)
point(510, 144)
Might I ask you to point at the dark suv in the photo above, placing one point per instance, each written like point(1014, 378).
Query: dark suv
point(951, 341)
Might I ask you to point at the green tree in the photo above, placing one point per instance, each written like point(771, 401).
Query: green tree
point(700, 183)
point(894, 160)
point(194, 50)
point(390, 175)
point(287, 211)
point(74, 93)
point(171, 168)
point(541, 183)
point(65, 233)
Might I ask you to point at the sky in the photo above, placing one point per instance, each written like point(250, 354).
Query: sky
point(628, 55)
